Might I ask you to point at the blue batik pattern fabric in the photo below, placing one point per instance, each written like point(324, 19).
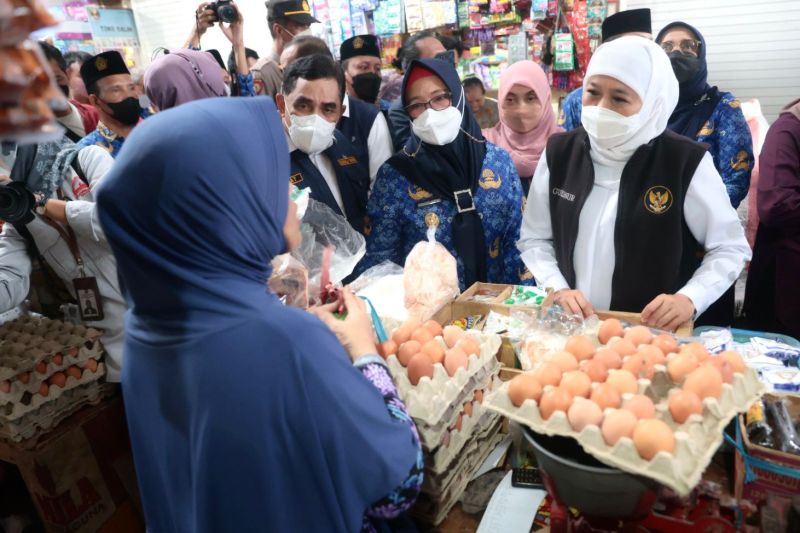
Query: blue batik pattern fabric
point(731, 146)
point(104, 138)
point(399, 214)
point(246, 85)
point(402, 498)
point(570, 116)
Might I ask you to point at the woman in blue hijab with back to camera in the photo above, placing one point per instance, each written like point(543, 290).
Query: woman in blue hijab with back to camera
point(244, 415)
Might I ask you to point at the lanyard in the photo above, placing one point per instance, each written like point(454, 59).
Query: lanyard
point(72, 242)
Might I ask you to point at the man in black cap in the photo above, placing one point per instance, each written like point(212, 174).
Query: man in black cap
point(286, 18)
point(630, 22)
point(112, 91)
point(362, 121)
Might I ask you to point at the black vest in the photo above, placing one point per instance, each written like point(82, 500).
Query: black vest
point(654, 249)
point(357, 126)
point(352, 175)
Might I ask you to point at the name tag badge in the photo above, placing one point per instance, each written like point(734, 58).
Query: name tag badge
point(347, 161)
point(561, 193)
point(296, 178)
point(90, 304)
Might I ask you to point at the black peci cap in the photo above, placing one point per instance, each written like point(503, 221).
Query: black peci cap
point(103, 65)
point(296, 10)
point(360, 45)
point(217, 56)
point(632, 20)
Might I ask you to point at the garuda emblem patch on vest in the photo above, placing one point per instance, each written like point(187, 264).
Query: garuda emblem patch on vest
point(658, 199)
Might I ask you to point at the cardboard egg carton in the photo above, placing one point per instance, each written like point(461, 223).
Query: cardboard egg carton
point(481, 418)
point(16, 410)
point(430, 400)
point(696, 440)
point(52, 413)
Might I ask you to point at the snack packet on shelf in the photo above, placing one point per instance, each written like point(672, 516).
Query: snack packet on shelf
point(430, 277)
point(530, 296)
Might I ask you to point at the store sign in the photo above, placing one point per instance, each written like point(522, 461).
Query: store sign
point(112, 23)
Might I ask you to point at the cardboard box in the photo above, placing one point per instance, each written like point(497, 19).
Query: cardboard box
point(81, 475)
point(767, 483)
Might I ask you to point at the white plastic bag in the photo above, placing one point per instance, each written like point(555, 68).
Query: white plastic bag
point(289, 281)
point(430, 277)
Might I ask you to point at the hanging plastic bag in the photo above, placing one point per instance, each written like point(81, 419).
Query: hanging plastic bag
point(430, 277)
point(564, 52)
point(322, 228)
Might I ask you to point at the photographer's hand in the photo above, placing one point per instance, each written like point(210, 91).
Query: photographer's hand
point(204, 19)
point(235, 34)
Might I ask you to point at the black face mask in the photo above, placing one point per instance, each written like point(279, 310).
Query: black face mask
point(367, 86)
point(127, 111)
point(64, 89)
point(685, 67)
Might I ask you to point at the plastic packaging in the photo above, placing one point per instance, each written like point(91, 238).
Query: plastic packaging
point(430, 277)
point(19, 18)
point(785, 438)
point(321, 228)
point(528, 296)
point(289, 281)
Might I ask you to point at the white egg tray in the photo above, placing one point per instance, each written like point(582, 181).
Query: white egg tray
point(14, 411)
point(431, 399)
point(481, 419)
point(52, 413)
point(696, 440)
point(440, 494)
point(89, 349)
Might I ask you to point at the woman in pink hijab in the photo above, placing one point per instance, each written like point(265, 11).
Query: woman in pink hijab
point(526, 117)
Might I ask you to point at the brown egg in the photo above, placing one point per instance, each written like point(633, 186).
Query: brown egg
point(459, 422)
point(577, 383)
point(735, 360)
point(609, 328)
point(434, 327)
point(24, 378)
point(74, 371)
point(41, 367)
point(454, 359)
point(91, 365)
point(5, 386)
point(580, 346)
point(724, 367)
point(556, 399)
point(622, 346)
point(548, 374)
point(434, 350)
point(452, 334)
point(387, 348)
point(623, 381)
point(680, 366)
point(633, 364)
point(469, 345)
point(618, 424)
point(683, 404)
point(705, 381)
point(641, 406)
point(44, 389)
point(59, 379)
point(524, 387)
point(596, 370)
point(639, 335)
point(698, 350)
point(651, 437)
point(408, 350)
point(468, 408)
point(584, 413)
point(58, 359)
point(606, 396)
point(422, 335)
point(666, 343)
point(419, 366)
point(653, 355)
point(565, 361)
point(402, 335)
point(478, 396)
point(610, 358)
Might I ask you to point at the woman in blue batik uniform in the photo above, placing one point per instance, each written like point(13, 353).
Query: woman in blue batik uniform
point(447, 176)
point(714, 117)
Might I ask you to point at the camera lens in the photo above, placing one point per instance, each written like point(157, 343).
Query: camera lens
point(226, 14)
point(6, 201)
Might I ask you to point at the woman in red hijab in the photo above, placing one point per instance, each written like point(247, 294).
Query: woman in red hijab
point(526, 117)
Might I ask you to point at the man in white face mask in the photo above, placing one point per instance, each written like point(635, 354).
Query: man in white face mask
point(323, 159)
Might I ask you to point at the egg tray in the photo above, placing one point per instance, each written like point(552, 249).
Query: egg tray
point(433, 436)
point(439, 459)
point(433, 507)
point(429, 401)
point(14, 411)
point(53, 413)
point(696, 440)
point(90, 349)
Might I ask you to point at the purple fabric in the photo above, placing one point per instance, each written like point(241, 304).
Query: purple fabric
point(183, 76)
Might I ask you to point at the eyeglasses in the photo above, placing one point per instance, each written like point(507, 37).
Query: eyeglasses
point(687, 46)
point(437, 103)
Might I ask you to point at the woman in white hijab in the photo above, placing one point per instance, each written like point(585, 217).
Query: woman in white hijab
point(619, 207)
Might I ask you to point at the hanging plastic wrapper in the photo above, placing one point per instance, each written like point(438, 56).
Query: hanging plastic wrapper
point(430, 277)
point(564, 56)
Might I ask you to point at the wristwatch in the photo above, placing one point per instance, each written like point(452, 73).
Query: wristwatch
point(41, 202)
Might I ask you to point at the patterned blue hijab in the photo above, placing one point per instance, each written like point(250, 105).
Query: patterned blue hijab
point(244, 415)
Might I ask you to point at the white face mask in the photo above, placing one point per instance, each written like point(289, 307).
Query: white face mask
point(311, 134)
point(438, 127)
point(606, 128)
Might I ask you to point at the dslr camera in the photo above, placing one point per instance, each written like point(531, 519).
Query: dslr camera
point(16, 203)
point(224, 11)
